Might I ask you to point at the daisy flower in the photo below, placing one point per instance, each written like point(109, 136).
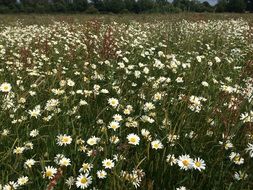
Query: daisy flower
point(101, 174)
point(156, 144)
point(171, 159)
point(70, 182)
point(240, 175)
point(11, 185)
point(133, 139)
point(34, 133)
point(64, 162)
point(108, 163)
point(35, 112)
point(83, 181)
point(113, 102)
point(185, 162)
point(29, 163)
point(249, 149)
point(93, 140)
point(18, 150)
point(5, 87)
point(181, 188)
point(63, 140)
point(114, 125)
point(22, 180)
point(199, 164)
point(86, 167)
point(236, 158)
point(117, 117)
point(49, 172)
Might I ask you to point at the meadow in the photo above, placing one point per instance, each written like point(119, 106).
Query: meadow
point(122, 102)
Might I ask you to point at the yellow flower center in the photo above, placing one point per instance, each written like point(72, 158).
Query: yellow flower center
point(185, 162)
point(114, 126)
point(84, 180)
point(65, 139)
point(85, 166)
point(49, 173)
point(132, 139)
point(198, 164)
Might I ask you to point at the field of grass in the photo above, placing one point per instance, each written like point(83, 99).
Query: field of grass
point(152, 102)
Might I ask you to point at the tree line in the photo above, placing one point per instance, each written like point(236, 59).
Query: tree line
point(122, 6)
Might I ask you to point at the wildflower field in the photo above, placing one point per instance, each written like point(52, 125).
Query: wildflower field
point(117, 103)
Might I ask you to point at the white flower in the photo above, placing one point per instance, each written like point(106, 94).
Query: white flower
point(240, 175)
point(199, 58)
point(70, 82)
point(171, 159)
point(35, 112)
point(250, 149)
point(149, 106)
point(49, 172)
point(179, 79)
point(18, 150)
point(133, 139)
point(181, 188)
point(108, 163)
point(64, 140)
point(64, 162)
point(199, 164)
point(113, 102)
point(29, 163)
point(22, 180)
point(5, 87)
point(83, 181)
point(204, 83)
point(83, 102)
point(217, 59)
point(101, 174)
point(11, 186)
point(93, 140)
point(70, 182)
point(185, 162)
point(156, 144)
point(236, 158)
point(34, 133)
point(114, 125)
point(117, 117)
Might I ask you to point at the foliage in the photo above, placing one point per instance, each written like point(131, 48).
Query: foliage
point(119, 6)
point(155, 102)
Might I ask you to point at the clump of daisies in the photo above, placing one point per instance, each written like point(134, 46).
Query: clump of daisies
point(195, 103)
point(135, 177)
point(185, 162)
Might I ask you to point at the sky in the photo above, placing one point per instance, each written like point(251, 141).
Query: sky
point(211, 2)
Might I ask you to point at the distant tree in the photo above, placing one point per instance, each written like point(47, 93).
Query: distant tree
point(238, 6)
point(145, 5)
point(114, 6)
point(207, 7)
point(249, 4)
point(92, 10)
point(130, 5)
point(79, 5)
point(222, 6)
point(7, 2)
point(98, 4)
point(186, 5)
point(161, 2)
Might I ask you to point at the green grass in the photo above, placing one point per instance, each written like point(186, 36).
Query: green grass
point(137, 59)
